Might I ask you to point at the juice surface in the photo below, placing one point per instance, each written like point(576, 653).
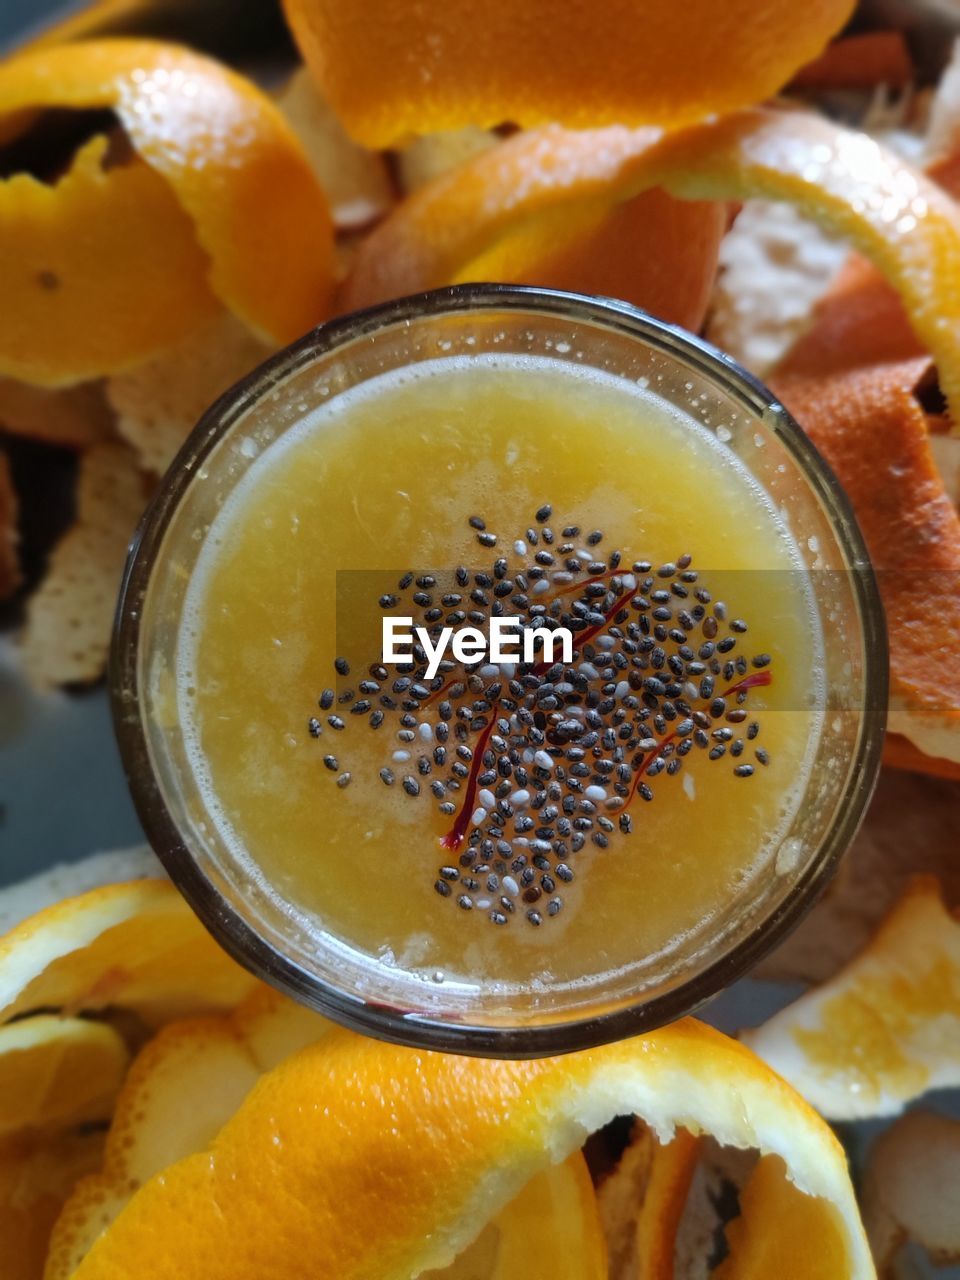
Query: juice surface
point(386, 479)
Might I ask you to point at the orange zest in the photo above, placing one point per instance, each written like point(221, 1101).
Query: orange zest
point(431, 1146)
point(392, 71)
point(231, 166)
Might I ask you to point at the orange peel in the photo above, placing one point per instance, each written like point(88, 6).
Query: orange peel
point(861, 61)
point(37, 1172)
point(430, 1146)
point(903, 221)
point(884, 1029)
point(135, 946)
point(782, 1234)
point(99, 270)
point(392, 72)
point(225, 156)
point(58, 1072)
point(870, 427)
point(658, 1222)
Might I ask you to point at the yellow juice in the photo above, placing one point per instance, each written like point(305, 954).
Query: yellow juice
point(366, 830)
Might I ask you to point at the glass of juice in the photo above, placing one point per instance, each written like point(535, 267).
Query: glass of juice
point(499, 670)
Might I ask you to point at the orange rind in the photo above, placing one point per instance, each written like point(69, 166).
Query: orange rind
point(872, 430)
point(432, 1146)
point(779, 1233)
point(58, 1072)
point(37, 1172)
point(392, 72)
point(862, 61)
point(219, 174)
point(886, 1028)
point(903, 221)
point(100, 269)
point(135, 947)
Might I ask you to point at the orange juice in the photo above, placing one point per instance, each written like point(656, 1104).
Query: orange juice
point(507, 823)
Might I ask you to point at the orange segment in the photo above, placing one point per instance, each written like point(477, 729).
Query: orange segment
point(99, 270)
point(392, 70)
point(886, 1028)
point(907, 225)
point(228, 156)
point(349, 1133)
point(782, 1234)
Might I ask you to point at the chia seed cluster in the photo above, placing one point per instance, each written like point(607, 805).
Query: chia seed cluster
point(533, 763)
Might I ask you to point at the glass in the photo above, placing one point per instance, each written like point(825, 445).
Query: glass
point(248, 920)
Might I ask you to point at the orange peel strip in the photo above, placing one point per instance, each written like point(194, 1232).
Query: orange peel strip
point(671, 1173)
point(392, 71)
point(135, 946)
point(228, 155)
point(886, 1028)
point(672, 277)
point(873, 432)
point(99, 270)
point(906, 224)
point(350, 1132)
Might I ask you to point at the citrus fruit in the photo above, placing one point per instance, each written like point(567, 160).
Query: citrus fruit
point(430, 1147)
point(253, 225)
point(886, 1028)
point(392, 71)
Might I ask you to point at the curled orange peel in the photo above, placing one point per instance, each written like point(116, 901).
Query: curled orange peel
point(393, 71)
point(348, 1133)
point(135, 947)
point(228, 157)
point(99, 270)
point(904, 222)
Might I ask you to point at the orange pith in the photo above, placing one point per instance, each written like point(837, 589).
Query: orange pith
point(233, 170)
point(392, 71)
point(349, 1131)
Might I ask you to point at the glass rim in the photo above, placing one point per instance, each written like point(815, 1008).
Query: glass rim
point(233, 931)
